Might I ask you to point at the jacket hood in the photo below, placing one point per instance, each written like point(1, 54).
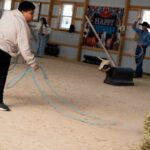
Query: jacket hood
point(17, 13)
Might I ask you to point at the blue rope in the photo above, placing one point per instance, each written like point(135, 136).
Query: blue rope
point(50, 102)
point(19, 77)
point(13, 64)
point(63, 100)
point(62, 111)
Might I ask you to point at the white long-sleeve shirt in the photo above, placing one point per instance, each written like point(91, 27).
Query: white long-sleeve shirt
point(15, 35)
point(45, 30)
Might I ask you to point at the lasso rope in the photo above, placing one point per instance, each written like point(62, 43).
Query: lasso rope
point(53, 91)
point(140, 55)
point(13, 64)
point(62, 111)
point(62, 99)
point(17, 79)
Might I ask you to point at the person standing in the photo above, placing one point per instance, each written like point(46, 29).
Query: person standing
point(142, 44)
point(43, 32)
point(14, 39)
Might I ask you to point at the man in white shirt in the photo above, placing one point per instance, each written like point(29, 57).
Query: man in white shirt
point(14, 39)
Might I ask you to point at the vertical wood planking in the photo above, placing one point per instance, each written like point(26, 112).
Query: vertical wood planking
point(50, 12)
point(82, 30)
point(126, 10)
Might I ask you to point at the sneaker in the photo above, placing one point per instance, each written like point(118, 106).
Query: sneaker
point(4, 107)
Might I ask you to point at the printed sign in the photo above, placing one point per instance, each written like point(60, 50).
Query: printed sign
point(107, 22)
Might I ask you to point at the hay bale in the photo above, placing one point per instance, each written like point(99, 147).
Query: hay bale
point(146, 140)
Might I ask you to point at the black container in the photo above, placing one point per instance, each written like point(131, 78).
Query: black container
point(119, 76)
point(52, 50)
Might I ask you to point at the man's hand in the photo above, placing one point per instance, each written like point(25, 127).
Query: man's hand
point(139, 45)
point(36, 67)
point(138, 19)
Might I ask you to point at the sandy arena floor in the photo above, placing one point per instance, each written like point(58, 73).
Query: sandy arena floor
point(33, 124)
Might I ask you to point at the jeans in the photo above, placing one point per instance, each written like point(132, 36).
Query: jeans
point(139, 61)
point(4, 65)
point(41, 45)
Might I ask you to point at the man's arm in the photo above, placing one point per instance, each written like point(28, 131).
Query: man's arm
point(134, 25)
point(24, 46)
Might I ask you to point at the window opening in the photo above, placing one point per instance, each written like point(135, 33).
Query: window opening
point(66, 16)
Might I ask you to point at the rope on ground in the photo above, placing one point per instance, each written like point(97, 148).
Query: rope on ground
point(62, 111)
point(17, 79)
point(62, 99)
point(20, 76)
point(13, 64)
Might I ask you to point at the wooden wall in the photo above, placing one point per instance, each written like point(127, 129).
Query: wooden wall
point(71, 43)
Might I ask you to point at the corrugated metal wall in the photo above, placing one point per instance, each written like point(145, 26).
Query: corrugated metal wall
point(73, 38)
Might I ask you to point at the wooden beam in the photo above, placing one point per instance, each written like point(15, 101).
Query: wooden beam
point(54, 16)
point(50, 10)
point(140, 7)
point(1, 7)
point(82, 30)
point(43, 15)
point(47, 3)
point(79, 19)
point(69, 2)
point(129, 24)
point(59, 16)
point(55, 29)
point(12, 4)
point(133, 9)
point(125, 16)
point(110, 51)
point(74, 14)
point(130, 39)
point(63, 44)
point(99, 50)
point(18, 0)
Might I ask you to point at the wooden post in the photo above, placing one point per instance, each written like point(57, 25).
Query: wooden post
point(59, 16)
point(49, 16)
point(74, 14)
point(50, 12)
point(1, 7)
point(119, 57)
point(82, 30)
point(12, 4)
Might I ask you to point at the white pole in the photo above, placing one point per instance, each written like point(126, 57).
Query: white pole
point(108, 55)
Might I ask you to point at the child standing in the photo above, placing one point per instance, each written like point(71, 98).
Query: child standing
point(14, 39)
point(43, 32)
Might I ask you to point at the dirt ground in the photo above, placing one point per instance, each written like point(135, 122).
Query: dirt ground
point(34, 124)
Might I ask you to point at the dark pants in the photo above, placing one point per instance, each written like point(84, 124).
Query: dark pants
point(4, 65)
point(139, 60)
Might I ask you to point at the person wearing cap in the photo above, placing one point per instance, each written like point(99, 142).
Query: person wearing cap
point(14, 40)
point(142, 43)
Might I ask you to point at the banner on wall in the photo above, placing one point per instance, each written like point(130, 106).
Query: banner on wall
point(107, 22)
